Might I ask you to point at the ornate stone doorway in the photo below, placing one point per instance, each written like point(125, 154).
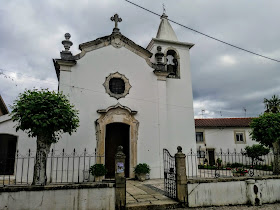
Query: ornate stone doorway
point(116, 134)
point(117, 114)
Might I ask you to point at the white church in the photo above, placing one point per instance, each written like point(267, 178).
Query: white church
point(140, 98)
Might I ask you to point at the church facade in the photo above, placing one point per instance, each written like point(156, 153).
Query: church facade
point(139, 98)
point(131, 96)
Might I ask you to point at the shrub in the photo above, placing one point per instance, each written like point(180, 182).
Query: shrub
point(263, 167)
point(255, 152)
point(219, 161)
point(142, 168)
point(236, 165)
point(206, 167)
point(98, 170)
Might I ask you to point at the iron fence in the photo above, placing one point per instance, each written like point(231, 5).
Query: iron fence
point(212, 164)
point(61, 167)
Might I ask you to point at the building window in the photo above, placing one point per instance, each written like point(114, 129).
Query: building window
point(199, 137)
point(239, 137)
point(7, 154)
point(200, 154)
point(117, 85)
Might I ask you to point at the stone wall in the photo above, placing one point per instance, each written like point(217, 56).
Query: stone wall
point(82, 196)
point(233, 191)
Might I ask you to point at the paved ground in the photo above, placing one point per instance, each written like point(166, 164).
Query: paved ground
point(265, 206)
point(149, 192)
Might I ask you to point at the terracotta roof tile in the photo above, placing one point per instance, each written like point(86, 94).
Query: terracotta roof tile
point(223, 122)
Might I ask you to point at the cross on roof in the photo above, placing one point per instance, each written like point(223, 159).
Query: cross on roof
point(117, 19)
point(163, 6)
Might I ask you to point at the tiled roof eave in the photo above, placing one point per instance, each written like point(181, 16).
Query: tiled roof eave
point(239, 126)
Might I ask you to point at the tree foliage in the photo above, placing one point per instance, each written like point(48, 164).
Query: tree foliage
point(44, 113)
point(266, 128)
point(272, 105)
point(256, 151)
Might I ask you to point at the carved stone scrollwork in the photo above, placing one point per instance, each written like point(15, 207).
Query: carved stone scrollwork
point(117, 43)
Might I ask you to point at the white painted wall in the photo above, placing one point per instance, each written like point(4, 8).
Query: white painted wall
point(233, 192)
point(165, 117)
point(88, 198)
point(180, 117)
point(224, 139)
point(24, 143)
point(84, 86)
point(218, 194)
point(88, 95)
point(270, 189)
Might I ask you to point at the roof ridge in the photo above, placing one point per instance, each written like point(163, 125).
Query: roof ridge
point(224, 122)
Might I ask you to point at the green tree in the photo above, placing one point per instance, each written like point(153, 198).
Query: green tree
point(272, 105)
point(45, 115)
point(266, 130)
point(255, 152)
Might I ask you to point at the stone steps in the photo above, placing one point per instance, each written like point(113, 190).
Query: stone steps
point(144, 195)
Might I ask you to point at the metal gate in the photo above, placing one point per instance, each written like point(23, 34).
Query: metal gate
point(169, 174)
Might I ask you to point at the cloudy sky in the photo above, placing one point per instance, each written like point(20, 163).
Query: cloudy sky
point(225, 80)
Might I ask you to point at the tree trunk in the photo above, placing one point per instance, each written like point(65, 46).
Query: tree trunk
point(40, 166)
point(276, 165)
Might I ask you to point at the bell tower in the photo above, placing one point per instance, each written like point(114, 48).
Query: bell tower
point(171, 61)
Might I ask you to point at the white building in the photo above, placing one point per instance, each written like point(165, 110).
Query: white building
point(140, 98)
point(226, 134)
point(10, 141)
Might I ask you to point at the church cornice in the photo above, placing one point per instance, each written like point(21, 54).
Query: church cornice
point(58, 63)
point(117, 40)
point(170, 42)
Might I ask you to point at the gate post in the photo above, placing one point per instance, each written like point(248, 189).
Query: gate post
point(120, 192)
point(181, 177)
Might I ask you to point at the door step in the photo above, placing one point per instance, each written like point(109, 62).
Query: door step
point(153, 205)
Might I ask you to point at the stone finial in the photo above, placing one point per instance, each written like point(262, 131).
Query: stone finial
point(159, 55)
point(67, 43)
point(179, 149)
point(164, 12)
point(120, 153)
point(120, 149)
point(116, 19)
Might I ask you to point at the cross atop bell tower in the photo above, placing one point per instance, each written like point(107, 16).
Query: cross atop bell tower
point(117, 19)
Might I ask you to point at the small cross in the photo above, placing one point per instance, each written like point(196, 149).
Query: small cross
point(163, 6)
point(117, 19)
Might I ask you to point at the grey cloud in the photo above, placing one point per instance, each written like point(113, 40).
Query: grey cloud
point(32, 31)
